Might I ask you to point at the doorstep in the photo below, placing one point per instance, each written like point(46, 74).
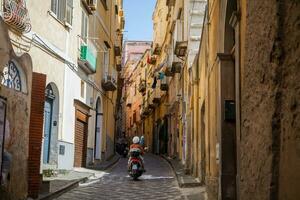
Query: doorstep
point(104, 165)
point(184, 180)
point(64, 181)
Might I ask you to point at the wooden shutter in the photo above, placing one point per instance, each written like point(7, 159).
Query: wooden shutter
point(54, 6)
point(61, 10)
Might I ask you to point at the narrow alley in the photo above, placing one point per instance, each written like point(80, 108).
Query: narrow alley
point(159, 182)
point(206, 91)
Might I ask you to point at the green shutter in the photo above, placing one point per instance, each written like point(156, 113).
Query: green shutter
point(87, 55)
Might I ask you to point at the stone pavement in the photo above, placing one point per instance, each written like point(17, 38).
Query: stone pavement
point(184, 180)
point(158, 183)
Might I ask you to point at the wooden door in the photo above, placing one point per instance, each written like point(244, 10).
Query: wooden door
point(81, 131)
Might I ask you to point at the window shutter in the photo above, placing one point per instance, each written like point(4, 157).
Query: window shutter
point(61, 10)
point(54, 6)
point(69, 11)
point(84, 26)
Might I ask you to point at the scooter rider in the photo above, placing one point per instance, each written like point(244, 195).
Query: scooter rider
point(137, 146)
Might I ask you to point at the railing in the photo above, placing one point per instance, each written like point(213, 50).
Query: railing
point(16, 15)
point(142, 86)
point(111, 72)
point(110, 77)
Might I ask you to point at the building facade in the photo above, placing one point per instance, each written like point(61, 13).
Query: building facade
point(73, 52)
point(133, 53)
point(244, 79)
point(227, 79)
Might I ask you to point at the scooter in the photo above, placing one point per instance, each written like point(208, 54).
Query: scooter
point(136, 168)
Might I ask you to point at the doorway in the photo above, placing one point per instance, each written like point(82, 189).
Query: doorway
point(228, 140)
point(48, 112)
point(203, 145)
point(98, 131)
point(81, 133)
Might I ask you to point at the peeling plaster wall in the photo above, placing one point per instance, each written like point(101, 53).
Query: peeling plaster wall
point(17, 120)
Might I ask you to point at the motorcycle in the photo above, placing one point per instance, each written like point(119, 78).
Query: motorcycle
point(124, 150)
point(135, 163)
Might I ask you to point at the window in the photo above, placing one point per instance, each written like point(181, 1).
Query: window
point(106, 59)
point(82, 89)
point(69, 11)
point(104, 3)
point(84, 27)
point(1, 6)
point(116, 10)
point(63, 9)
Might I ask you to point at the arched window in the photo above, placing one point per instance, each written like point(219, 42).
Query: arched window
point(13, 77)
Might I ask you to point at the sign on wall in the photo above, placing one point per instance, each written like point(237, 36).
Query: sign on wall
point(2, 130)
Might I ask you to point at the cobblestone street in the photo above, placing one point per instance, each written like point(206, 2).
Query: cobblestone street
point(158, 182)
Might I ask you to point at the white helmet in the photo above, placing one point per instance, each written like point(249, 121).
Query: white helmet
point(136, 140)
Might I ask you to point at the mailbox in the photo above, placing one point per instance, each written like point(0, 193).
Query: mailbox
point(230, 110)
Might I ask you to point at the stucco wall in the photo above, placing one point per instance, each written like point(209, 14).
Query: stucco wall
point(270, 111)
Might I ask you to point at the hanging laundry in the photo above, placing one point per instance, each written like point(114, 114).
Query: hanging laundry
point(161, 75)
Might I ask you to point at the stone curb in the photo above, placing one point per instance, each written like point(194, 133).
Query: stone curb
point(108, 165)
point(180, 179)
point(63, 190)
point(74, 184)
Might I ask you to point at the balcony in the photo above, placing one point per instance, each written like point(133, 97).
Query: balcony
point(16, 15)
point(181, 48)
point(176, 67)
point(168, 71)
point(90, 5)
point(142, 87)
point(164, 86)
point(152, 60)
point(170, 3)
point(109, 81)
point(117, 51)
point(157, 50)
point(87, 61)
point(145, 111)
point(156, 96)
